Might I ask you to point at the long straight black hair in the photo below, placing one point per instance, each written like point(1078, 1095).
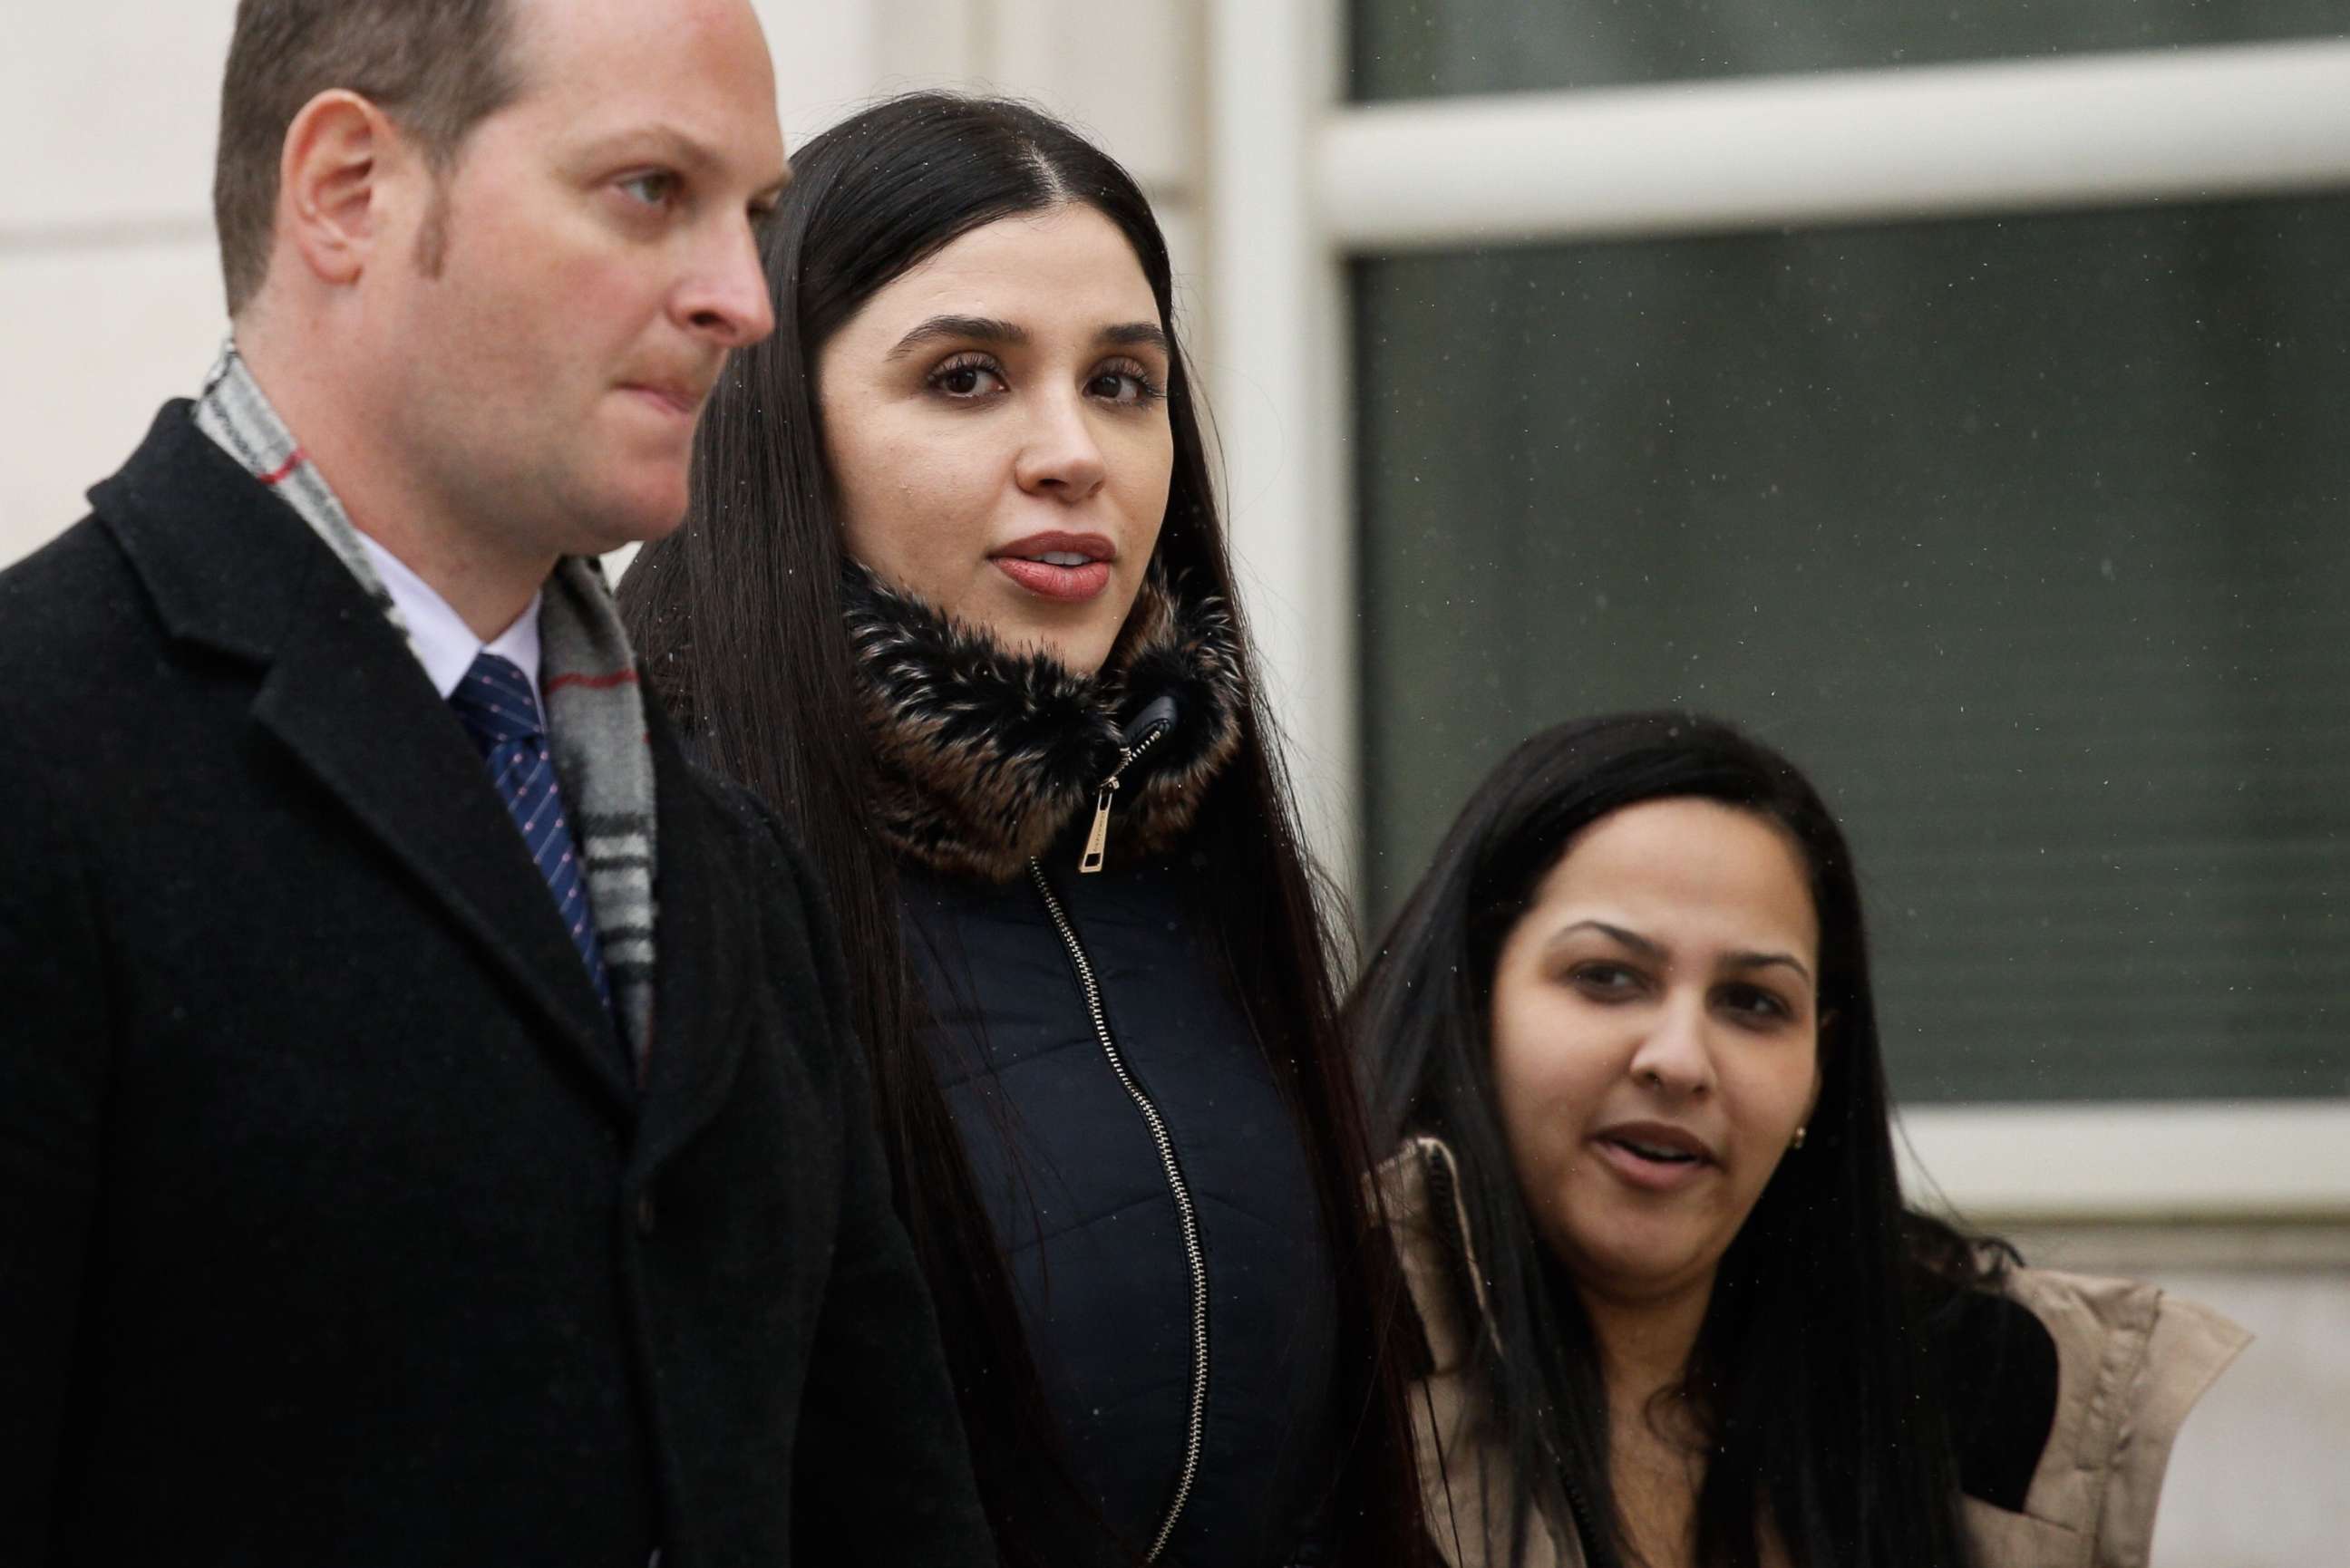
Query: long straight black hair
point(738, 618)
point(1814, 1369)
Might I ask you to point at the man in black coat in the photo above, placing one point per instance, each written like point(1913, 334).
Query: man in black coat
point(429, 1128)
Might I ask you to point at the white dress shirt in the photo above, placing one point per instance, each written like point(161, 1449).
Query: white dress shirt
point(444, 644)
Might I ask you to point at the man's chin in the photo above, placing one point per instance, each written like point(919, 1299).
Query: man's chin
point(629, 517)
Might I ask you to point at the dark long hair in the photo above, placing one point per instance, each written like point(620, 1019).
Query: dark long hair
point(738, 618)
point(1812, 1369)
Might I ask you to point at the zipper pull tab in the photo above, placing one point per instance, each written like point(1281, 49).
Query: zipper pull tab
point(1142, 734)
point(1097, 841)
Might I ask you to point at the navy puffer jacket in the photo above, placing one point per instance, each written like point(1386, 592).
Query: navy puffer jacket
point(1144, 1175)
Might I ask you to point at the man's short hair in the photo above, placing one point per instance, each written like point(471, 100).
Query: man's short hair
point(436, 67)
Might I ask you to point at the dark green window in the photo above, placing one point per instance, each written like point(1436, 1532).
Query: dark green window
point(1436, 48)
point(2030, 538)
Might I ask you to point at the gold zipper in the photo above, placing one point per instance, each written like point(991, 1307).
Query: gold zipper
point(1097, 838)
point(1186, 1213)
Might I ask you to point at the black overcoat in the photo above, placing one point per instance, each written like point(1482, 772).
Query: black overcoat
point(332, 1230)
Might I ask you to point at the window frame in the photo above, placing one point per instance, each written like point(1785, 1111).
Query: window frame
point(1301, 182)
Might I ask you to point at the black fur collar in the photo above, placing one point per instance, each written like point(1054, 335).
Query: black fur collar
point(985, 756)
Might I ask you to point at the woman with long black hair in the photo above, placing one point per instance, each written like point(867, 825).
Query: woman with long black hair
point(1676, 1310)
point(954, 596)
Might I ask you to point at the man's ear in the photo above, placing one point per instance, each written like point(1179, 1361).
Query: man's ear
point(329, 178)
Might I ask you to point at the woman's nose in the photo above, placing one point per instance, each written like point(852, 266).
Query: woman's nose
point(1675, 1056)
point(1060, 456)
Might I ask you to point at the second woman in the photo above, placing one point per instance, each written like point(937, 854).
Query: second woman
point(1677, 1313)
point(955, 599)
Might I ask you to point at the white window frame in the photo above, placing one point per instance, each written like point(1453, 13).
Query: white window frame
point(1299, 180)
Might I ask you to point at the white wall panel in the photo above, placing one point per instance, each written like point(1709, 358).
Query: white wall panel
point(2256, 1480)
point(1128, 73)
point(96, 339)
point(926, 43)
point(826, 55)
point(1187, 250)
point(107, 109)
point(117, 99)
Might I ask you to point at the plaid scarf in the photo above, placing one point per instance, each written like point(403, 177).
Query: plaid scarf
point(595, 712)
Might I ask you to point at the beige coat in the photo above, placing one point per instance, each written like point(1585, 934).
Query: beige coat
point(2131, 1362)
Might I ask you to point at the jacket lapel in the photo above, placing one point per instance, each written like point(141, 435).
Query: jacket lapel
point(371, 728)
point(232, 568)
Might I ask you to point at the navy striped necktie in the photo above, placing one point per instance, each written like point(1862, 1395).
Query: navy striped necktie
point(498, 708)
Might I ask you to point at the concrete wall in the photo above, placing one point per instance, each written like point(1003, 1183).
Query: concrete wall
point(110, 292)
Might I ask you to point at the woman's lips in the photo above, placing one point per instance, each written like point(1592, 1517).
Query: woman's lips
point(1650, 1174)
point(1070, 584)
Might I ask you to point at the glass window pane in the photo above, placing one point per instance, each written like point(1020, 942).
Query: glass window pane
point(1435, 48)
point(2030, 538)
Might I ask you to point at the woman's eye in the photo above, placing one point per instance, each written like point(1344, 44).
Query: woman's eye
point(1754, 1004)
point(1123, 384)
point(967, 379)
point(1606, 980)
point(651, 189)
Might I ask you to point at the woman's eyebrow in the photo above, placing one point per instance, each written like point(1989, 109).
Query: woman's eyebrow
point(990, 329)
point(1767, 961)
point(1644, 946)
point(974, 328)
point(1137, 335)
point(1648, 948)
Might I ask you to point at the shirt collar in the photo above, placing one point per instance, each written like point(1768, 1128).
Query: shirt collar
point(444, 644)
